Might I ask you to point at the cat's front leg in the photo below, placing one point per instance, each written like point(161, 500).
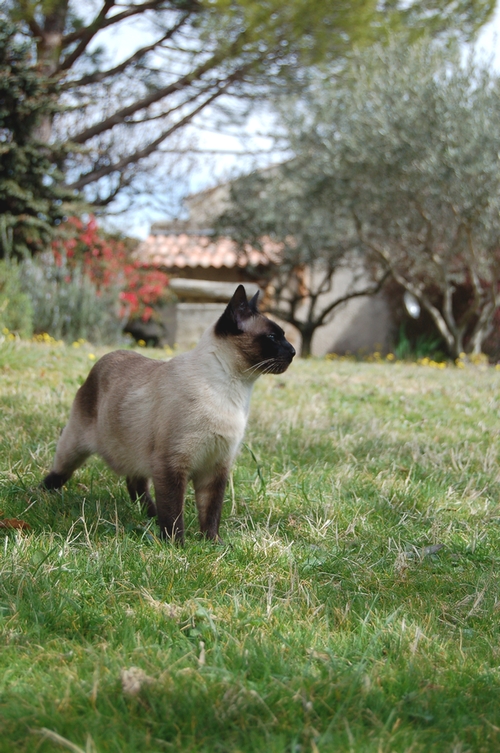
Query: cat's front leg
point(170, 488)
point(209, 493)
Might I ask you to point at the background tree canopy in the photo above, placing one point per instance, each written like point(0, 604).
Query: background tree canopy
point(402, 158)
point(118, 112)
point(290, 210)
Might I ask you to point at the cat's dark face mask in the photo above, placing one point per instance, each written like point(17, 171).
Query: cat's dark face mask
point(260, 341)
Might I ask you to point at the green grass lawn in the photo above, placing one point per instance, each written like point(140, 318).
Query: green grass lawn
point(355, 605)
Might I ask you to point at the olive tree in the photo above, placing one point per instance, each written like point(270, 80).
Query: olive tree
point(291, 214)
point(409, 142)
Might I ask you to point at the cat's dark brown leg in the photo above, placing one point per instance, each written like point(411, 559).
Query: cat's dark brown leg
point(170, 487)
point(209, 500)
point(138, 489)
point(55, 480)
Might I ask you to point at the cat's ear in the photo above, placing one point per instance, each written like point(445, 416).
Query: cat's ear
point(239, 299)
point(238, 310)
point(253, 303)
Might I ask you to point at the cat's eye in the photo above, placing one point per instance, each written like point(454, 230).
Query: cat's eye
point(272, 337)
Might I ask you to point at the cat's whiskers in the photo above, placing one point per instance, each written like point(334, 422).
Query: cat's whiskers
point(258, 365)
point(270, 368)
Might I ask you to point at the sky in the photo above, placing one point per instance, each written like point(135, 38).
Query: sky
point(489, 40)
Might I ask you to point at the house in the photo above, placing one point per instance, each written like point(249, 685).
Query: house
point(204, 271)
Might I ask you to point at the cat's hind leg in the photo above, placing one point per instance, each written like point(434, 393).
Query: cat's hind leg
point(72, 451)
point(77, 440)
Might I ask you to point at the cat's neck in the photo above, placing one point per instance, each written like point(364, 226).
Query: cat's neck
point(223, 360)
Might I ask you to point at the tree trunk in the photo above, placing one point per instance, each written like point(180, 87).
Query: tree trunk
point(49, 45)
point(307, 336)
point(49, 48)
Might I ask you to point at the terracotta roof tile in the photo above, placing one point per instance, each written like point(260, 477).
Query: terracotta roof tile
point(184, 250)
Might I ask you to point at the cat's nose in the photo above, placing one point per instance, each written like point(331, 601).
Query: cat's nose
point(293, 352)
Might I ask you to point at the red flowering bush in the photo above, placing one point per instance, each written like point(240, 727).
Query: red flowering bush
point(108, 263)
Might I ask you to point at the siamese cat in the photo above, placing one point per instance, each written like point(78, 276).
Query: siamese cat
point(176, 421)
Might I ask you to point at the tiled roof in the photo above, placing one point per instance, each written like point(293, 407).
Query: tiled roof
point(202, 251)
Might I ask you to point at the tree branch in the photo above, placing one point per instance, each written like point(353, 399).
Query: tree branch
point(135, 10)
point(140, 154)
point(483, 325)
point(189, 100)
point(98, 76)
point(86, 37)
point(449, 289)
point(120, 115)
point(286, 316)
point(122, 183)
point(356, 294)
point(35, 28)
point(415, 290)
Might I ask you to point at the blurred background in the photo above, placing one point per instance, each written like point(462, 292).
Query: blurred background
point(343, 158)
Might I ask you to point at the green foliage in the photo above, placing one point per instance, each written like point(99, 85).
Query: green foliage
point(354, 607)
point(407, 143)
point(301, 33)
point(210, 50)
point(108, 262)
point(84, 288)
point(16, 312)
point(422, 346)
point(67, 304)
point(31, 194)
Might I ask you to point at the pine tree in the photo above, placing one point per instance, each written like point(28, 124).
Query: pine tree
point(33, 199)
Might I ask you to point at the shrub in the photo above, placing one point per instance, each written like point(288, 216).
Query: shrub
point(423, 345)
point(87, 285)
point(108, 262)
point(67, 304)
point(16, 311)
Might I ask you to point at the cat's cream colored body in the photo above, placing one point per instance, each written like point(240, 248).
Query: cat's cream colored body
point(174, 421)
point(192, 409)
